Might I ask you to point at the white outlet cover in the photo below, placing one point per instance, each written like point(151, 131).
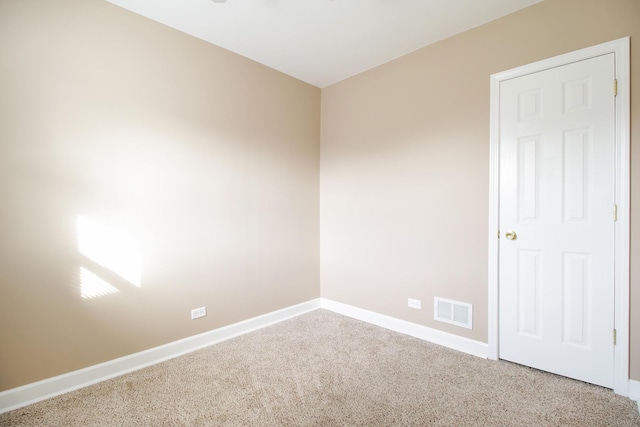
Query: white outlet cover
point(197, 313)
point(414, 303)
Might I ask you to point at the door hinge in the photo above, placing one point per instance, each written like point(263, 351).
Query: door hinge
point(615, 213)
point(615, 87)
point(615, 337)
point(498, 234)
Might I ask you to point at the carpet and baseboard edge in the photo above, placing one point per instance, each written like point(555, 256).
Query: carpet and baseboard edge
point(35, 392)
point(41, 390)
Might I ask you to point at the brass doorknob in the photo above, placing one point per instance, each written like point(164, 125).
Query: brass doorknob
point(511, 235)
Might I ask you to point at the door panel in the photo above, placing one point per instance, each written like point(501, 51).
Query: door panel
point(556, 277)
point(576, 290)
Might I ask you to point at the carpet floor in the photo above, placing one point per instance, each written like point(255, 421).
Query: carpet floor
point(324, 369)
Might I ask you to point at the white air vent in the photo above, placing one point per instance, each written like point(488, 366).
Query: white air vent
point(454, 312)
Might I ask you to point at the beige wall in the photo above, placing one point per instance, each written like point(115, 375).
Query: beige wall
point(210, 161)
point(405, 163)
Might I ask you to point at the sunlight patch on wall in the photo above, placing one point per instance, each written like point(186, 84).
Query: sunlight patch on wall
point(110, 248)
point(91, 286)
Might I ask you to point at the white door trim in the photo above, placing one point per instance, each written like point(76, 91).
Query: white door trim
point(620, 48)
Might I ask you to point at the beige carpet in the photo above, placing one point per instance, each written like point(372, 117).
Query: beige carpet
point(323, 369)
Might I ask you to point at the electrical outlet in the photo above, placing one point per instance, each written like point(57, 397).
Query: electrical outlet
point(198, 312)
point(414, 303)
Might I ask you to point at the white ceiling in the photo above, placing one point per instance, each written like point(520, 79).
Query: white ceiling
point(323, 41)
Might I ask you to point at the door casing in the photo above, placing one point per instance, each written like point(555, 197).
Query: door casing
point(620, 48)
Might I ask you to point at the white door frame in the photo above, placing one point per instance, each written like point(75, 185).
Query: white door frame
point(620, 48)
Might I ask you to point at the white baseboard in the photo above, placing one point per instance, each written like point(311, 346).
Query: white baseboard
point(634, 390)
point(45, 389)
point(41, 390)
point(435, 336)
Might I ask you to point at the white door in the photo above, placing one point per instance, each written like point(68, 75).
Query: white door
point(557, 195)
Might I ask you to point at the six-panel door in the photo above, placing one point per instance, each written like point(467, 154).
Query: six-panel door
point(557, 189)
